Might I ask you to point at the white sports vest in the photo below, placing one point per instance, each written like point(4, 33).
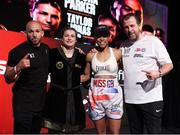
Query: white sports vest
point(109, 67)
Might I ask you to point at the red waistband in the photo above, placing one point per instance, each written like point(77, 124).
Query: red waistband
point(104, 82)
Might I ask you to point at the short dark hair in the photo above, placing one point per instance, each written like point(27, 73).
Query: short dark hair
point(126, 17)
point(148, 27)
point(53, 3)
point(101, 31)
point(108, 16)
point(68, 28)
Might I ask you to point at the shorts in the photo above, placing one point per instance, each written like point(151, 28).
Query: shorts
point(105, 99)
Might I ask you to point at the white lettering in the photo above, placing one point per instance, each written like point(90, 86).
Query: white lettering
point(120, 75)
point(85, 6)
point(67, 3)
point(80, 20)
point(85, 30)
point(2, 66)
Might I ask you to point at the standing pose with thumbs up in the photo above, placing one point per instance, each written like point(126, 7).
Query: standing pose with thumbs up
point(27, 67)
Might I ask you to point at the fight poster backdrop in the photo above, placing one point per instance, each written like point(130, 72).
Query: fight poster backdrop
point(83, 15)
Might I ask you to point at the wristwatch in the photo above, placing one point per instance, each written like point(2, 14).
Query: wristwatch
point(160, 73)
point(16, 72)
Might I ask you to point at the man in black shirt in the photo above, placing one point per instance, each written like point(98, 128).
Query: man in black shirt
point(27, 66)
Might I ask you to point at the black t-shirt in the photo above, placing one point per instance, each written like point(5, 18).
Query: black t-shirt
point(29, 89)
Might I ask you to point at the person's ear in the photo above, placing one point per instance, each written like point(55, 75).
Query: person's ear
point(42, 33)
point(26, 34)
point(140, 26)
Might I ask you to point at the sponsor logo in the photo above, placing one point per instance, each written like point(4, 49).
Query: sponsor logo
point(59, 65)
point(78, 66)
point(138, 55)
point(116, 109)
point(140, 50)
point(2, 66)
point(110, 83)
point(31, 55)
point(103, 83)
point(158, 110)
point(103, 68)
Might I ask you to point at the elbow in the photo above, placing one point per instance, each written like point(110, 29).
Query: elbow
point(85, 78)
point(88, 78)
point(171, 67)
point(8, 80)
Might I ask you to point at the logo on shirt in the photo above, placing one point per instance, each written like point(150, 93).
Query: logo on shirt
point(59, 65)
point(103, 83)
point(78, 66)
point(138, 55)
point(110, 83)
point(103, 68)
point(126, 52)
point(139, 52)
point(31, 55)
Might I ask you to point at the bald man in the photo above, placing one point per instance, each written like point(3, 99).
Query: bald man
point(27, 68)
